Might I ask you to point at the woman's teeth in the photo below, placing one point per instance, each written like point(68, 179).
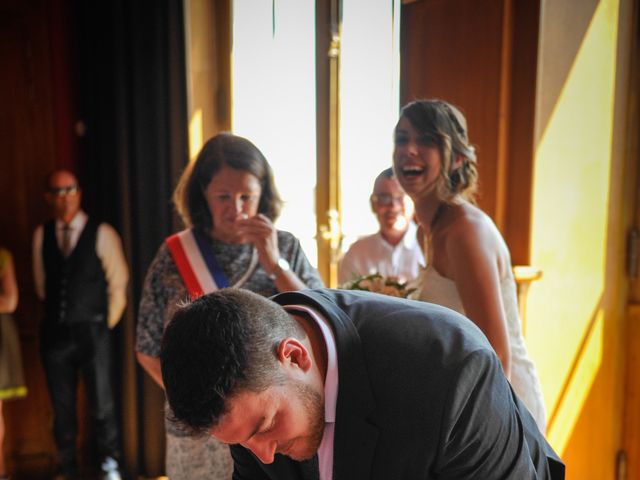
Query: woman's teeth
point(412, 171)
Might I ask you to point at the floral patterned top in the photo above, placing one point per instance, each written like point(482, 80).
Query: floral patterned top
point(164, 290)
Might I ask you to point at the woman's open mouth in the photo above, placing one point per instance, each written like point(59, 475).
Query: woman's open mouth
point(412, 171)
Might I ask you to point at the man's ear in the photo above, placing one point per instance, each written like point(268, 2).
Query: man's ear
point(292, 352)
point(372, 204)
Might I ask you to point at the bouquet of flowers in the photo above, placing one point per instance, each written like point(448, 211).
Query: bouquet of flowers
point(374, 282)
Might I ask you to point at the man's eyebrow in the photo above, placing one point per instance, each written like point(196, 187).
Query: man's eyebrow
point(253, 432)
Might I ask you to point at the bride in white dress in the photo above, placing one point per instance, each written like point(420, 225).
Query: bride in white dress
point(469, 266)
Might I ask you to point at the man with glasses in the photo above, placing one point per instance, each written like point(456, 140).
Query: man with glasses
point(81, 275)
point(394, 250)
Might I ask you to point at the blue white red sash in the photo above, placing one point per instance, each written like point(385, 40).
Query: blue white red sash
point(197, 263)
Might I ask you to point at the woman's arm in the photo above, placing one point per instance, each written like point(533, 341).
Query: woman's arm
point(8, 288)
point(151, 365)
point(473, 252)
point(287, 281)
point(162, 286)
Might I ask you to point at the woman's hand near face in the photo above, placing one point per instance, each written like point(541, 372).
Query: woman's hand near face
point(261, 232)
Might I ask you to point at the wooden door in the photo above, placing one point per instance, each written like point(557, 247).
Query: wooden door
point(629, 456)
point(36, 136)
point(481, 56)
point(27, 146)
point(545, 86)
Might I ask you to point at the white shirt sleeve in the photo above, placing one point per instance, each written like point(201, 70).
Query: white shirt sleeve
point(38, 264)
point(109, 250)
point(347, 269)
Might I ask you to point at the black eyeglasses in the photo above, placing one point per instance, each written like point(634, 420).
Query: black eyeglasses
point(64, 191)
point(386, 199)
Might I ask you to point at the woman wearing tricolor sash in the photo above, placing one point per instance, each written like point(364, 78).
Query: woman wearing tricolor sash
point(228, 200)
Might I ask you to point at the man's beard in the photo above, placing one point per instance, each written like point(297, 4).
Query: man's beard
point(314, 408)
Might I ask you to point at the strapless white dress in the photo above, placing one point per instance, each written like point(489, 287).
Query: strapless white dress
point(435, 288)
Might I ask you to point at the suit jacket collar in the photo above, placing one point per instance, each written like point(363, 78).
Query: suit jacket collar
point(355, 435)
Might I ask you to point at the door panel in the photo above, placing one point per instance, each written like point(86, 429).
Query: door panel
point(26, 137)
point(630, 456)
point(545, 94)
point(481, 56)
point(442, 59)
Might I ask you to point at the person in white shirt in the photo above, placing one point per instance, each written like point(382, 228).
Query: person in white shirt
point(394, 251)
point(81, 275)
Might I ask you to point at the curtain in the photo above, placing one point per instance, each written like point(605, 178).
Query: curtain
point(132, 128)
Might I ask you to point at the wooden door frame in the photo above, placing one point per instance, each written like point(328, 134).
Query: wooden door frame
point(500, 92)
point(629, 457)
point(328, 234)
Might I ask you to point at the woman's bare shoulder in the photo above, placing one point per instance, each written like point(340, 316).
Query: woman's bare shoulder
point(469, 223)
point(475, 233)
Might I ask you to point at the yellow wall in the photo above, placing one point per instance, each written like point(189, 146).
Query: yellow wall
point(573, 328)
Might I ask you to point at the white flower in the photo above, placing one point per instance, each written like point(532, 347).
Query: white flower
point(375, 282)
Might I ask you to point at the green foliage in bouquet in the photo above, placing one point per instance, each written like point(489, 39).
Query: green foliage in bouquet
point(375, 282)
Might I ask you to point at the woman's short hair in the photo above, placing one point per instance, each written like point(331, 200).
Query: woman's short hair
point(448, 127)
point(237, 153)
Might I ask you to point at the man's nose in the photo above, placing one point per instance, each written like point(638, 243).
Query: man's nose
point(397, 203)
point(265, 450)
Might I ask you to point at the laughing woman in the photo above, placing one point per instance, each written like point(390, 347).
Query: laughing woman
point(468, 262)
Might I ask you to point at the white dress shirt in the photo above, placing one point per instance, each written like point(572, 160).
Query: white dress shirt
point(373, 254)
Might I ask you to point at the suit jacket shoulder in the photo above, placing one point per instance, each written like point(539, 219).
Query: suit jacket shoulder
point(421, 395)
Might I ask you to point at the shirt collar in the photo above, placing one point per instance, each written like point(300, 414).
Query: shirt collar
point(410, 239)
point(76, 223)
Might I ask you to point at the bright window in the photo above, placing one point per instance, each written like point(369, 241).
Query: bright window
point(369, 95)
point(274, 98)
point(274, 104)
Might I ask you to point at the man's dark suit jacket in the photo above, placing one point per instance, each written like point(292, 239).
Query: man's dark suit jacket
point(421, 395)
